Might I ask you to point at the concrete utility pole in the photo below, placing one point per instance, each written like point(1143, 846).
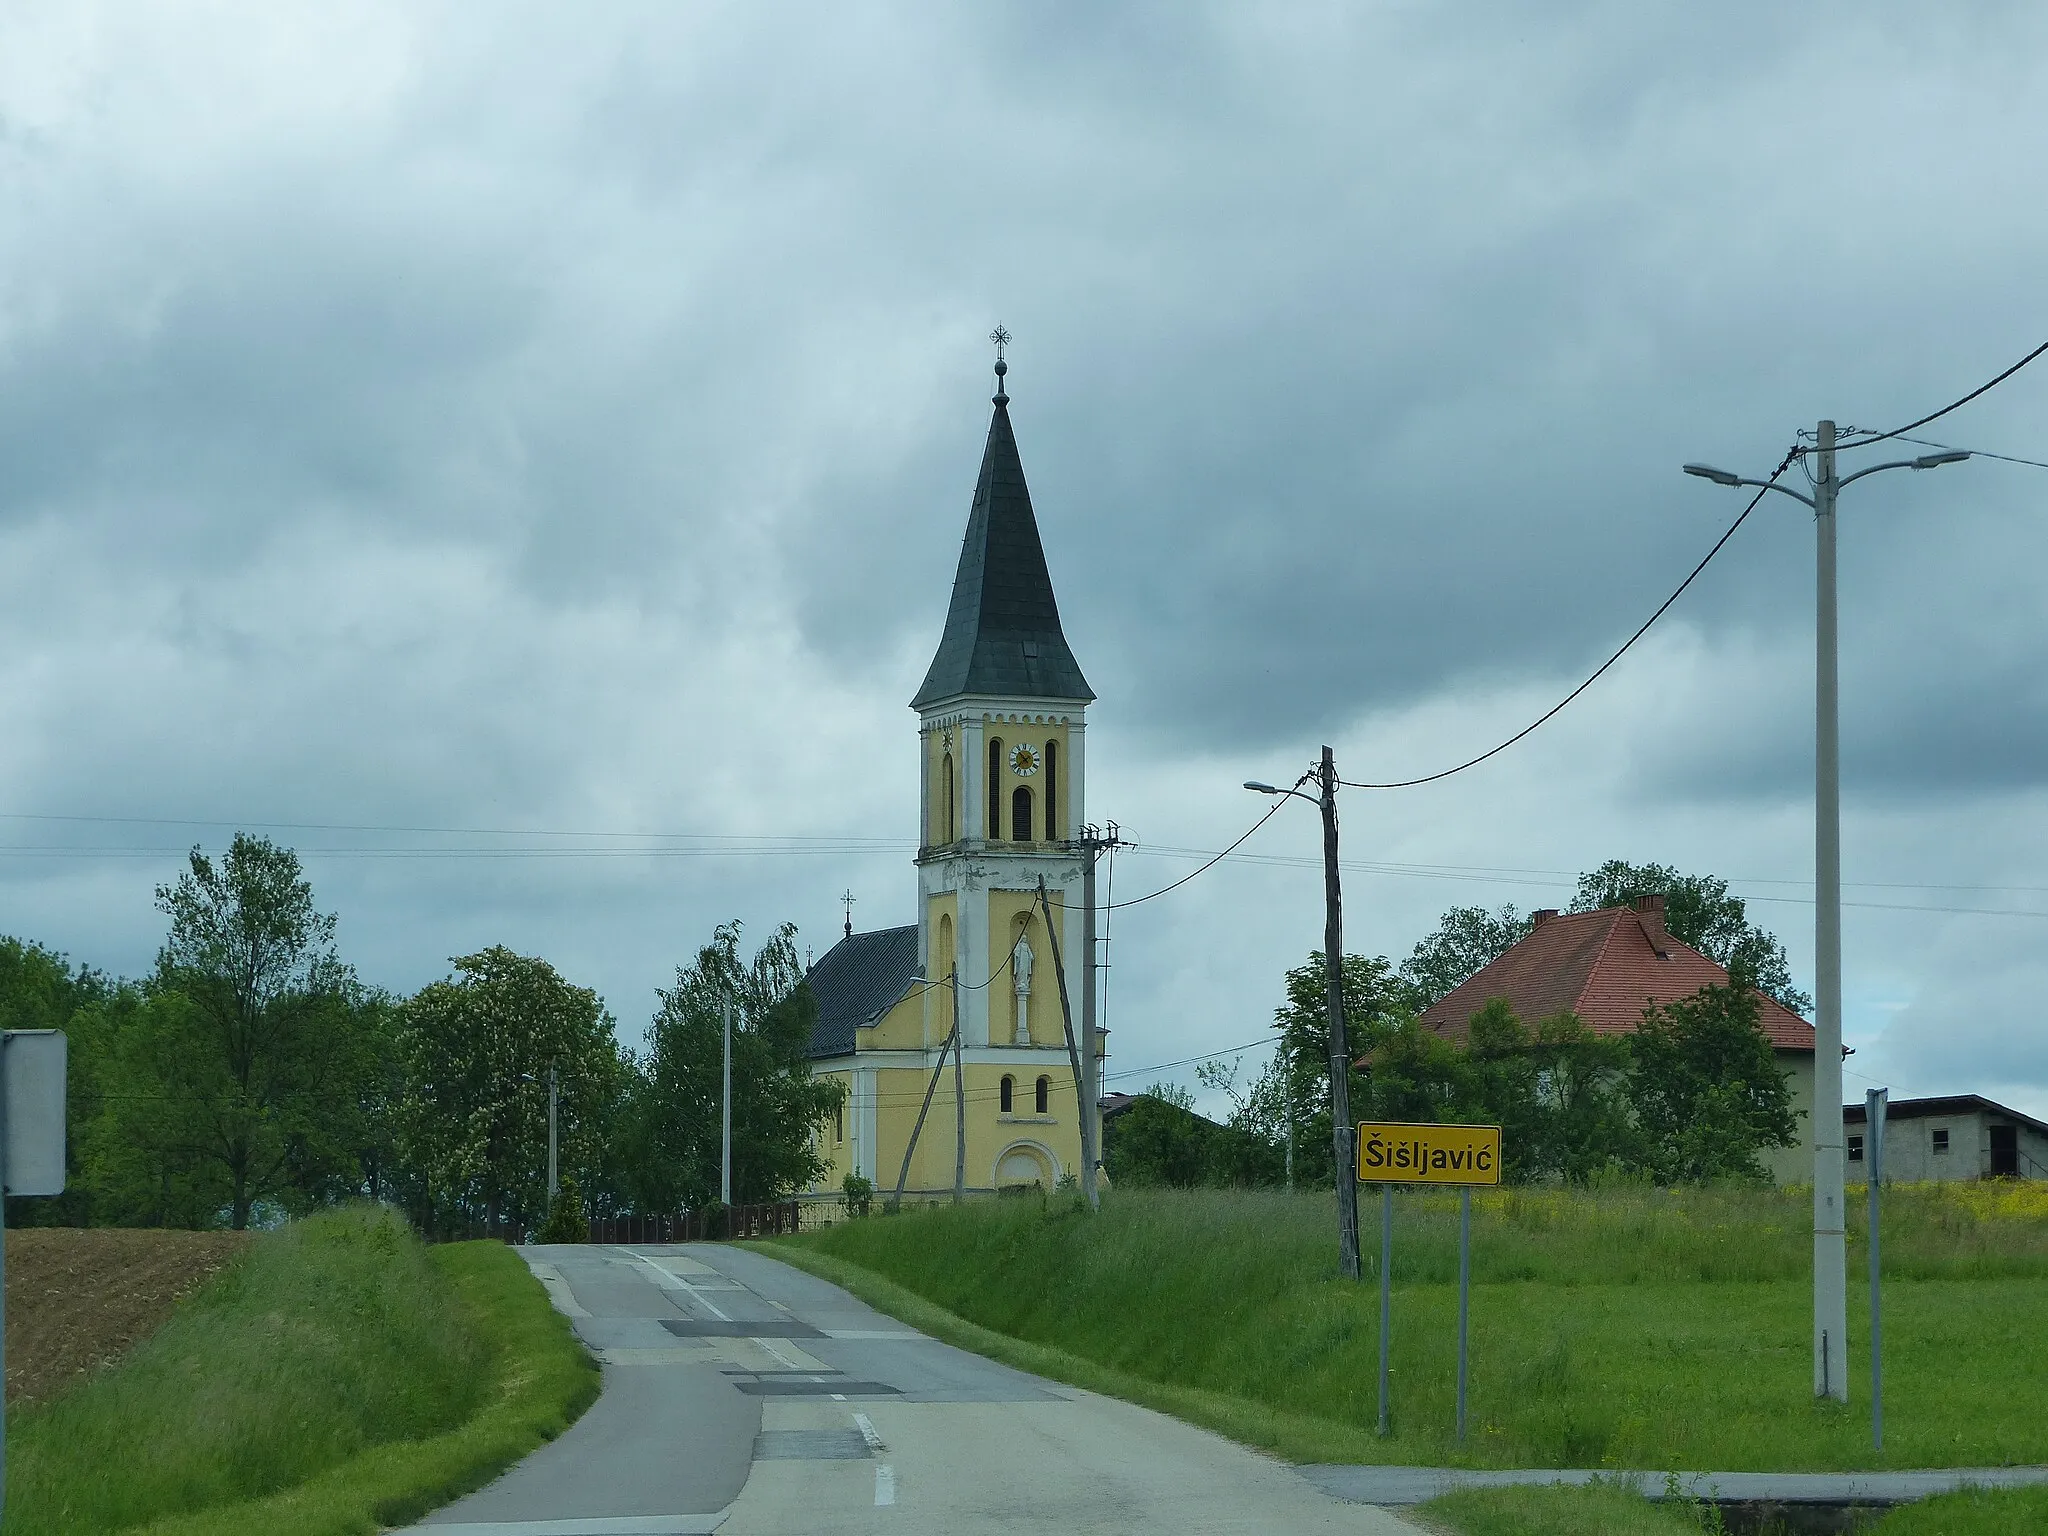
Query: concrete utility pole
point(554, 1183)
point(1082, 1077)
point(725, 1133)
point(1092, 845)
point(1830, 1240)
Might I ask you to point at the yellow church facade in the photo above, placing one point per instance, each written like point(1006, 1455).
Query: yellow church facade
point(1002, 732)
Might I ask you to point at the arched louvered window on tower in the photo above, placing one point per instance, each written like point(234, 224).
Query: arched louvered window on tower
point(1052, 791)
point(1044, 1095)
point(950, 829)
point(1009, 1095)
point(995, 787)
point(1020, 815)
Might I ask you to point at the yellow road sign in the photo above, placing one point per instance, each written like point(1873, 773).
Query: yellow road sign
point(1395, 1153)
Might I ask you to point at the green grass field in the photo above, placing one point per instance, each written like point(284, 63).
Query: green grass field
point(1618, 1328)
point(339, 1378)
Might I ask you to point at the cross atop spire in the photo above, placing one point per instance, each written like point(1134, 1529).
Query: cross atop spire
point(1001, 338)
point(848, 899)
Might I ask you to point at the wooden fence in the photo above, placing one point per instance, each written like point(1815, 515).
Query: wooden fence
point(771, 1219)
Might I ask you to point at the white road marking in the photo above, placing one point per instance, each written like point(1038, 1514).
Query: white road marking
point(866, 1426)
point(838, 1397)
point(885, 1485)
point(670, 1281)
point(794, 1365)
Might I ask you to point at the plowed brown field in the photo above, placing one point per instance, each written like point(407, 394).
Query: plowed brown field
point(82, 1297)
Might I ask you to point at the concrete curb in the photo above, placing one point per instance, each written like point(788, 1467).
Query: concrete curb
point(1417, 1485)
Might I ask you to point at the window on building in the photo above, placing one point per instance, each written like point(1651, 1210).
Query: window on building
point(1044, 1094)
point(1052, 791)
point(839, 1122)
point(1941, 1143)
point(1020, 815)
point(995, 787)
point(1009, 1095)
point(951, 826)
point(1855, 1149)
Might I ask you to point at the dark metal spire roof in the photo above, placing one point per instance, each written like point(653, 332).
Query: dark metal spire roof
point(1003, 630)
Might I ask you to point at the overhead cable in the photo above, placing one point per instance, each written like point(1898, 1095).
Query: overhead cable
point(1955, 405)
point(1550, 713)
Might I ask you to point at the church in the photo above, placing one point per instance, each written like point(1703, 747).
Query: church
point(1002, 777)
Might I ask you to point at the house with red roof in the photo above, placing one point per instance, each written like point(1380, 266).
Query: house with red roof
point(1607, 967)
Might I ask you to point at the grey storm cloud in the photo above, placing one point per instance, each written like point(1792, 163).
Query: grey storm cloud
point(442, 419)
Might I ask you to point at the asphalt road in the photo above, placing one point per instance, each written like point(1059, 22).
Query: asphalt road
point(745, 1397)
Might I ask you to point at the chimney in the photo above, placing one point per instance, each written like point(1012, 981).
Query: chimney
point(1651, 910)
point(1541, 916)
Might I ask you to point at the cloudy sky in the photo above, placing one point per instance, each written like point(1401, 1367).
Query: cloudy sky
point(518, 456)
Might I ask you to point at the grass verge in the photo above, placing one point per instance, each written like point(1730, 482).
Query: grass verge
point(339, 1379)
point(1556, 1511)
point(1622, 1328)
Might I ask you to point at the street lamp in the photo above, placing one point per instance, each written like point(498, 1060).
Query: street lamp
point(1343, 1140)
point(1830, 1243)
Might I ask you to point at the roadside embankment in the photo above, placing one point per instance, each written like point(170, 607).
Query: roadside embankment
point(338, 1378)
point(1617, 1328)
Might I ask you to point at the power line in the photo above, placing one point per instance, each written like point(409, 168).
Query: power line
point(1956, 405)
point(1599, 671)
point(1975, 453)
point(1274, 810)
point(338, 826)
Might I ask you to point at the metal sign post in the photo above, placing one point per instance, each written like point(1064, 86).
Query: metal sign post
point(31, 1146)
point(1393, 1152)
point(1874, 1100)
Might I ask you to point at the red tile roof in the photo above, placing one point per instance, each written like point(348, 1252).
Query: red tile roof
point(1604, 966)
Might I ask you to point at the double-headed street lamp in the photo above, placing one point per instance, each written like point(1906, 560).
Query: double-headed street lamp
point(1343, 1140)
point(1830, 1242)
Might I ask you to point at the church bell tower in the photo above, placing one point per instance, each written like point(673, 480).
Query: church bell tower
point(1002, 720)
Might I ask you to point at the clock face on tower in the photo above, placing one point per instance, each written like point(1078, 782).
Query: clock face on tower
point(1024, 761)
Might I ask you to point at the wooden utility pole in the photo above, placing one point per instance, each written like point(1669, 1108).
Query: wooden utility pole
point(1081, 1077)
point(1342, 1132)
point(930, 1089)
point(959, 1096)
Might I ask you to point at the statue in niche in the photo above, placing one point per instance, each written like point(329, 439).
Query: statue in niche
point(1020, 969)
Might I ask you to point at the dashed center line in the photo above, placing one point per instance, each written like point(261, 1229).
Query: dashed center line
point(866, 1426)
point(885, 1485)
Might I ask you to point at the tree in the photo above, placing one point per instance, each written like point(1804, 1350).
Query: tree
point(243, 1064)
point(1408, 1064)
point(1466, 940)
point(777, 1105)
point(476, 1049)
point(1706, 1089)
point(1698, 910)
point(1555, 1090)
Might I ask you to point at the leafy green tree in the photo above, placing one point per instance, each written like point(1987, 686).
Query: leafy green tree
point(241, 1067)
point(1700, 911)
point(1410, 1068)
point(1466, 940)
point(1557, 1091)
point(1706, 1088)
point(1159, 1142)
point(777, 1105)
point(475, 1050)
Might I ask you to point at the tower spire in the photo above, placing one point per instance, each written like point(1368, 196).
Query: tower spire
point(1002, 632)
point(1001, 338)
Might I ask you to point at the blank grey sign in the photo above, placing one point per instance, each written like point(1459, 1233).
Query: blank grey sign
point(34, 1066)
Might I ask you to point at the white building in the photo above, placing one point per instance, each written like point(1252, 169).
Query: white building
point(1964, 1136)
